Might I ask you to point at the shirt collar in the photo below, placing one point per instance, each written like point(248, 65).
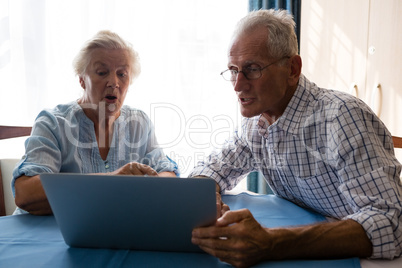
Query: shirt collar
point(291, 118)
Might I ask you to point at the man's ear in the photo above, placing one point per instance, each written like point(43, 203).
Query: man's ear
point(295, 69)
point(82, 82)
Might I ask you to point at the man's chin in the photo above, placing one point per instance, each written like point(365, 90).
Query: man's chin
point(248, 114)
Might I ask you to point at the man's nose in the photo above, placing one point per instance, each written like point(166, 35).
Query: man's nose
point(238, 85)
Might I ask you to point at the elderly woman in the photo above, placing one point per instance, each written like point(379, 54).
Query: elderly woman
point(96, 133)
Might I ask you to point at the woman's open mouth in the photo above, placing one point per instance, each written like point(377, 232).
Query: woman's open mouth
point(110, 99)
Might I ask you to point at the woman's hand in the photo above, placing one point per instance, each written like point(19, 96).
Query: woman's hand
point(135, 168)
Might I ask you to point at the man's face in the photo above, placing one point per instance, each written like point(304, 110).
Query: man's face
point(267, 95)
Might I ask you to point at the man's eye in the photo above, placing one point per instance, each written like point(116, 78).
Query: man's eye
point(122, 74)
point(101, 73)
point(252, 69)
point(233, 72)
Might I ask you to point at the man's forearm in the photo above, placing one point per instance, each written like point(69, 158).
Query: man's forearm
point(341, 239)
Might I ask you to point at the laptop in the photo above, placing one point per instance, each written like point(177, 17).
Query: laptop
point(130, 212)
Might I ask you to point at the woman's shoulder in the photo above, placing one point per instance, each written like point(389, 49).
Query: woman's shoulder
point(61, 112)
point(62, 109)
point(56, 119)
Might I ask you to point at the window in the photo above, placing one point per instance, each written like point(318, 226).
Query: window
point(182, 45)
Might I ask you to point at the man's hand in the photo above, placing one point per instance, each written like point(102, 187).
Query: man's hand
point(237, 238)
point(221, 208)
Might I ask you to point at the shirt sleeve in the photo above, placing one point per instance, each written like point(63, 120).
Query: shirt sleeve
point(230, 164)
point(42, 152)
point(370, 178)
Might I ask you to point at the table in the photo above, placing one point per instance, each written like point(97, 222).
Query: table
point(36, 241)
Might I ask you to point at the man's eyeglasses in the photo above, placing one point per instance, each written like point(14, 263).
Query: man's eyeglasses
point(249, 72)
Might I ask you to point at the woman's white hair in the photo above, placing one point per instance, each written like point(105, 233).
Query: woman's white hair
point(108, 40)
point(281, 39)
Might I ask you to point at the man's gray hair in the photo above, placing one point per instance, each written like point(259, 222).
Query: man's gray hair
point(281, 39)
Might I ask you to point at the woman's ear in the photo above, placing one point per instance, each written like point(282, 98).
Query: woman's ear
point(295, 69)
point(82, 82)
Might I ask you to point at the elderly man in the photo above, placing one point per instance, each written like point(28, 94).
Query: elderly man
point(321, 149)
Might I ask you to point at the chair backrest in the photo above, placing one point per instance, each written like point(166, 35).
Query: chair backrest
point(8, 132)
point(397, 142)
point(7, 203)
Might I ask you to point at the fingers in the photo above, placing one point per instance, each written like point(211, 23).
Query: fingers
point(229, 249)
point(218, 205)
point(225, 225)
point(224, 208)
point(237, 238)
point(142, 169)
point(135, 168)
point(221, 208)
point(235, 216)
point(237, 258)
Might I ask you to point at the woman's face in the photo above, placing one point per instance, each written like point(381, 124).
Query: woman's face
point(105, 82)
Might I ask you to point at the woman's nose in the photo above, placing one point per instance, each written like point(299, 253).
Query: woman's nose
point(113, 81)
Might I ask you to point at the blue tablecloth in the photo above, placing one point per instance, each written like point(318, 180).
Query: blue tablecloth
point(36, 241)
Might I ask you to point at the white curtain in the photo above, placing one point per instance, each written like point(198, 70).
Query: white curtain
point(182, 45)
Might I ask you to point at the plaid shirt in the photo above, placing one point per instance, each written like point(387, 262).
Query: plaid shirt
point(328, 152)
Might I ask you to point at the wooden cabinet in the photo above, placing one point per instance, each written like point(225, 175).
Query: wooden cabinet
point(356, 46)
point(333, 41)
point(384, 62)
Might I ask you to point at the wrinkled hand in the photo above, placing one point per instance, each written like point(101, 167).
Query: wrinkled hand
point(237, 238)
point(135, 168)
point(221, 208)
